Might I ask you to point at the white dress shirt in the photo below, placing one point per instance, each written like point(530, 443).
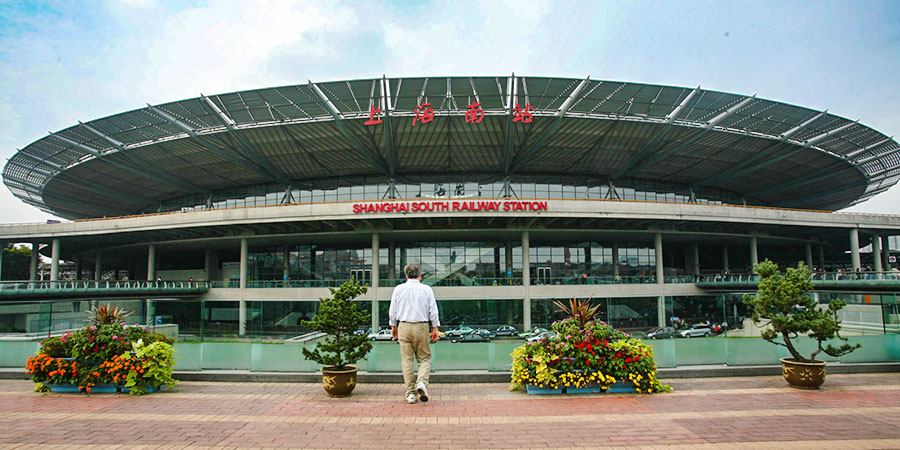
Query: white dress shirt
point(413, 302)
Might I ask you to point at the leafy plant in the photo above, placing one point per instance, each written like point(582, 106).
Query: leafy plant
point(107, 315)
point(339, 317)
point(149, 365)
point(783, 309)
point(579, 309)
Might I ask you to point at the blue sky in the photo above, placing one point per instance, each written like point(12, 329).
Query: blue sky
point(61, 62)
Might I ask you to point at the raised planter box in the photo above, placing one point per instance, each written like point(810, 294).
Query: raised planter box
point(536, 390)
point(98, 389)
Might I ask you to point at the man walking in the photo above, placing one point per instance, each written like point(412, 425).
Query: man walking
point(412, 306)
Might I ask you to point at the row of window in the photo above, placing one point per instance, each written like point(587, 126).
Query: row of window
point(273, 194)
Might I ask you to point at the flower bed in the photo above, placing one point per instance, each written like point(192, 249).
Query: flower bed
point(104, 356)
point(585, 358)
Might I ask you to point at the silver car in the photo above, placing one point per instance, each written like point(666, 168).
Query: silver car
point(700, 329)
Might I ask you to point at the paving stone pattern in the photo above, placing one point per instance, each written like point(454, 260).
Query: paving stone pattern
point(859, 411)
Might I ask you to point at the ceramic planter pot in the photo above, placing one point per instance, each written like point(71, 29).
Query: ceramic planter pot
point(803, 375)
point(339, 382)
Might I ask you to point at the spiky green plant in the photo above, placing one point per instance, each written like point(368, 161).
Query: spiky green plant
point(107, 315)
point(782, 308)
point(339, 317)
point(580, 309)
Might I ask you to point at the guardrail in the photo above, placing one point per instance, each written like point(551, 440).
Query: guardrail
point(819, 276)
point(94, 288)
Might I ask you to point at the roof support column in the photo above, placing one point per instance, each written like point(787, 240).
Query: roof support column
point(854, 250)
point(375, 257)
point(754, 254)
point(54, 263)
point(695, 259)
point(876, 254)
point(78, 268)
point(660, 281)
point(32, 269)
point(286, 265)
point(615, 260)
point(151, 262)
point(807, 253)
point(98, 266)
point(886, 252)
point(242, 308)
point(821, 251)
point(526, 281)
point(725, 259)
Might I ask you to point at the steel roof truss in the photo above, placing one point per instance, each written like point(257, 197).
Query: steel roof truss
point(374, 158)
point(37, 159)
point(867, 148)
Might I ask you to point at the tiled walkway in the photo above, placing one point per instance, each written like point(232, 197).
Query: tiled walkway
point(850, 412)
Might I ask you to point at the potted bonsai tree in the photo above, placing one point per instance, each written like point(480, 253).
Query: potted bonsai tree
point(784, 312)
point(339, 318)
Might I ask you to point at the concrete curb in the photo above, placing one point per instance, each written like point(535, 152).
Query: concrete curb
point(243, 376)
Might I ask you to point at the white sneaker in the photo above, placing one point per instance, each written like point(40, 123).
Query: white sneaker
point(423, 392)
point(411, 398)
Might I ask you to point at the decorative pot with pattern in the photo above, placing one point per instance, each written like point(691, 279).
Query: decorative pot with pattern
point(803, 375)
point(339, 382)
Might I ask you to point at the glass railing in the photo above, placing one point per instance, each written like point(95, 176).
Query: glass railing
point(818, 276)
point(599, 279)
point(10, 287)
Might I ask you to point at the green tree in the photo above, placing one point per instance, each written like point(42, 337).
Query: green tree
point(16, 262)
point(783, 309)
point(339, 317)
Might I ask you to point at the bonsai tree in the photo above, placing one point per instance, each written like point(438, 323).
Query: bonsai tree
point(784, 310)
point(339, 317)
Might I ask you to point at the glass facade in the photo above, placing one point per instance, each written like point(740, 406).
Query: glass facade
point(591, 263)
point(363, 189)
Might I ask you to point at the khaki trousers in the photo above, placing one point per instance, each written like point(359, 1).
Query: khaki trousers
point(415, 343)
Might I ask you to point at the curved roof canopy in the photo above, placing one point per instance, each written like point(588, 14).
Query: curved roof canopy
point(779, 154)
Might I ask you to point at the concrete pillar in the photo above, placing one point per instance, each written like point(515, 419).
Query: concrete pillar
point(754, 254)
point(886, 252)
point(54, 262)
point(392, 261)
point(876, 255)
point(242, 308)
point(695, 259)
point(78, 268)
point(375, 254)
point(98, 266)
point(660, 281)
point(615, 259)
point(854, 249)
point(286, 263)
point(807, 253)
point(725, 258)
point(207, 263)
point(821, 251)
point(33, 268)
point(509, 259)
point(526, 281)
point(2, 251)
point(151, 262)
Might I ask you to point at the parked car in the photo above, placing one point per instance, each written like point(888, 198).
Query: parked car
point(700, 329)
point(506, 330)
point(381, 335)
point(541, 336)
point(459, 331)
point(486, 333)
point(661, 333)
point(471, 337)
point(363, 331)
point(533, 332)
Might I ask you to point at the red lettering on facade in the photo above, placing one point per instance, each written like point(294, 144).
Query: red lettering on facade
point(523, 115)
point(372, 120)
point(475, 114)
point(424, 114)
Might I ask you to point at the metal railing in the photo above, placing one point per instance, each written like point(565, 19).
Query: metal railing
point(9, 287)
point(818, 276)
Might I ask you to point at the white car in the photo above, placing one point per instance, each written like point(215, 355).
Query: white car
point(382, 335)
point(697, 330)
point(541, 336)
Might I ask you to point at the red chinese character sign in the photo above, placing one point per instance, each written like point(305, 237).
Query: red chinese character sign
point(372, 120)
point(424, 114)
point(523, 115)
point(475, 114)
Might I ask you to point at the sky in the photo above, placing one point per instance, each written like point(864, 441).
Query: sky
point(61, 62)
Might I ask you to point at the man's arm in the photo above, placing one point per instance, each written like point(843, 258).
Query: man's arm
point(393, 312)
point(433, 315)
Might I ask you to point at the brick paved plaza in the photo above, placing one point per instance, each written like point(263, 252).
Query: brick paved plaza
point(851, 411)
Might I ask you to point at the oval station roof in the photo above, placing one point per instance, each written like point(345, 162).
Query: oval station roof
point(780, 154)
